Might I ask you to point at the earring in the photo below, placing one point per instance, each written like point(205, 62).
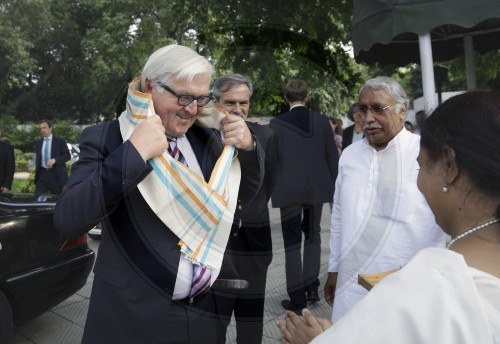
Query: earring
point(445, 188)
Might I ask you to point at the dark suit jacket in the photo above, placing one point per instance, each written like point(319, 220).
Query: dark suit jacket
point(347, 135)
point(7, 164)
point(59, 151)
point(250, 239)
point(307, 159)
point(136, 269)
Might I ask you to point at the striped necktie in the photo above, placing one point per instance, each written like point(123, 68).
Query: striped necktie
point(201, 275)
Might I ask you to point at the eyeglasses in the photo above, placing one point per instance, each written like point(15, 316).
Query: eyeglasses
point(375, 109)
point(186, 99)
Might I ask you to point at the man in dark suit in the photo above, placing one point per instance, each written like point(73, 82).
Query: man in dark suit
point(51, 173)
point(307, 169)
point(7, 165)
point(250, 245)
point(142, 290)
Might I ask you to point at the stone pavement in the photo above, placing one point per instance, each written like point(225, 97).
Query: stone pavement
point(64, 323)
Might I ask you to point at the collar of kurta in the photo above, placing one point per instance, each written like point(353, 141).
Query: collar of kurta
point(199, 213)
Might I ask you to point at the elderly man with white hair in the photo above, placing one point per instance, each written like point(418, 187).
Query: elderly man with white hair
point(380, 220)
point(166, 186)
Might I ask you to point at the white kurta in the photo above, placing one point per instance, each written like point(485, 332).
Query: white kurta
point(380, 219)
point(435, 298)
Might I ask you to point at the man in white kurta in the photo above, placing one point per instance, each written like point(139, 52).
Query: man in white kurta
point(380, 220)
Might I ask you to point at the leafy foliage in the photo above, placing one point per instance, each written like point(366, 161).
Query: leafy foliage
point(73, 59)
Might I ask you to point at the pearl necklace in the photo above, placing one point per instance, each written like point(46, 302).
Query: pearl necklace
point(472, 230)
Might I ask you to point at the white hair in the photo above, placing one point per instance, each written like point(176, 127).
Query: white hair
point(391, 87)
point(175, 62)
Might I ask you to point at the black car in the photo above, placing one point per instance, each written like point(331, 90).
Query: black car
point(38, 267)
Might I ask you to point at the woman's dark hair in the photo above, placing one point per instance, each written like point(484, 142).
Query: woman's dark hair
point(351, 111)
point(470, 125)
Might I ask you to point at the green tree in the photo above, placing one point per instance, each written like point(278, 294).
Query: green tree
point(73, 59)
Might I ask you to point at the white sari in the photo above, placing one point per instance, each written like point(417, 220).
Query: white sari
point(435, 298)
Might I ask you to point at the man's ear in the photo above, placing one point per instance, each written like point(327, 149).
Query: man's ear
point(403, 111)
point(148, 86)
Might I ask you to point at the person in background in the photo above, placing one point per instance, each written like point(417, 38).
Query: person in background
point(380, 220)
point(336, 124)
point(409, 126)
point(7, 165)
point(51, 173)
point(165, 186)
point(354, 132)
point(445, 296)
point(419, 120)
point(250, 245)
point(307, 168)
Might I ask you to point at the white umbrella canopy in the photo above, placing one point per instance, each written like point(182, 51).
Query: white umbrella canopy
point(399, 32)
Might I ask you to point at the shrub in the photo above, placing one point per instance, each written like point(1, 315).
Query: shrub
point(28, 185)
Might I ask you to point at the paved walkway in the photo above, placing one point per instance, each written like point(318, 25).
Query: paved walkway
point(64, 323)
point(21, 175)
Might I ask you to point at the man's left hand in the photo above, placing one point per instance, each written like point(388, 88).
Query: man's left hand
point(236, 132)
point(51, 163)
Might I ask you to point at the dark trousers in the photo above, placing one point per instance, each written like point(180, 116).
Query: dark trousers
point(301, 274)
point(49, 182)
point(248, 308)
point(251, 265)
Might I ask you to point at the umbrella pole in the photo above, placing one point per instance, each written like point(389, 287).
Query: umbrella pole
point(426, 64)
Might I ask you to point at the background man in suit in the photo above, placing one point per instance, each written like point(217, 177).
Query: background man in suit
point(306, 172)
point(419, 119)
point(7, 165)
point(250, 243)
point(51, 173)
point(142, 290)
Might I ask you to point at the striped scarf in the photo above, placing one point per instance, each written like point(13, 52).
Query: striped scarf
point(199, 213)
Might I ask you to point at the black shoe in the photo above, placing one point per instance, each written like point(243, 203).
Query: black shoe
point(288, 305)
point(312, 296)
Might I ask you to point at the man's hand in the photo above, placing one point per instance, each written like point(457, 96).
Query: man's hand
point(4, 189)
point(149, 138)
point(236, 132)
point(297, 331)
point(330, 285)
point(50, 163)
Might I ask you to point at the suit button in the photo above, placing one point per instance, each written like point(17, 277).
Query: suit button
point(124, 182)
point(235, 235)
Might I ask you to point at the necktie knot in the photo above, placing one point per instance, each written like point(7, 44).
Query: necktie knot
point(174, 151)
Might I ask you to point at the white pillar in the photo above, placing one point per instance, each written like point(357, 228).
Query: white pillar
point(470, 63)
point(427, 66)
